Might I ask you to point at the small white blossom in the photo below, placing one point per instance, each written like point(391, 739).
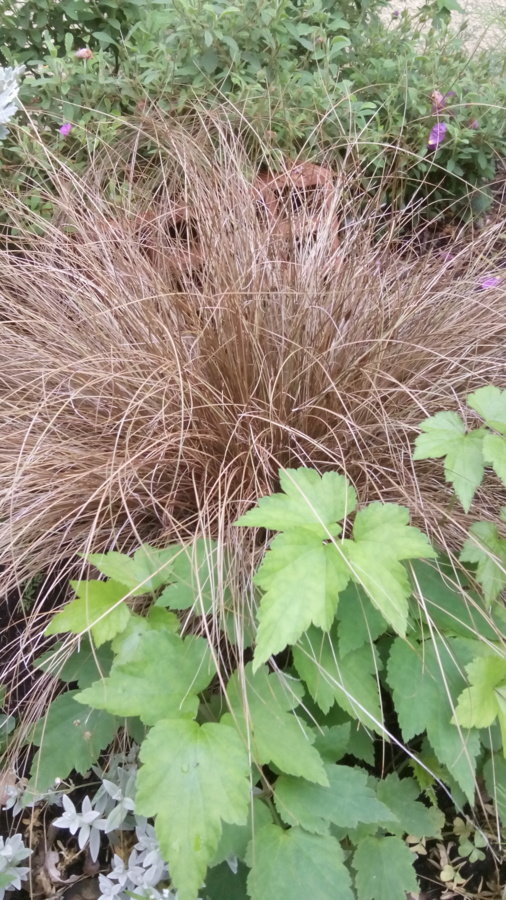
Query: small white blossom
point(12, 852)
point(149, 854)
point(87, 824)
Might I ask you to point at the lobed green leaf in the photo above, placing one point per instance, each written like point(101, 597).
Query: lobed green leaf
point(161, 678)
point(261, 709)
point(485, 700)
point(145, 572)
point(350, 681)
point(346, 801)
point(296, 865)
point(70, 738)
point(490, 403)
point(422, 680)
point(487, 549)
point(444, 435)
point(302, 578)
point(192, 779)
point(310, 501)
point(384, 868)
point(98, 607)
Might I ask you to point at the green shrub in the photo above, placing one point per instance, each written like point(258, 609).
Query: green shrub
point(321, 78)
point(26, 23)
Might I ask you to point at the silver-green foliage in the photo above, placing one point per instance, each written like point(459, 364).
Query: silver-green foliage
point(9, 88)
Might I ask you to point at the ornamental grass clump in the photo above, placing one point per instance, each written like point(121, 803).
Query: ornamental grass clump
point(189, 323)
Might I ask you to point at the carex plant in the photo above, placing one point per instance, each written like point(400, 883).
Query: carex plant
point(264, 765)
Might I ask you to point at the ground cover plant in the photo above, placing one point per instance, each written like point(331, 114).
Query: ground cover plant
point(240, 777)
point(182, 336)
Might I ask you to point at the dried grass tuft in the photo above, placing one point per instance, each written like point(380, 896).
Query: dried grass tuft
point(186, 326)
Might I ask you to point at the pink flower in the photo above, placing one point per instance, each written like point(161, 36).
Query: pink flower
point(490, 282)
point(83, 53)
point(65, 129)
point(437, 134)
point(439, 101)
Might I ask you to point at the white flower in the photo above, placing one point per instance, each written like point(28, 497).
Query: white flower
point(87, 824)
point(108, 889)
point(149, 854)
point(114, 884)
point(12, 852)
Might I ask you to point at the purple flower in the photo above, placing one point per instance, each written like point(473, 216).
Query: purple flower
point(490, 282)
point(437, 134)
point(474, 124)
point(65, 129)
point(395, 14)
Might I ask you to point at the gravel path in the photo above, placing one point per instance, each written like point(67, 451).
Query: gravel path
point(486, 18)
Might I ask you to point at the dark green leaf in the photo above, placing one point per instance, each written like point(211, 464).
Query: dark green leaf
point(296, 865)
point(70, 738)
point(346, 801)
point(384, 869)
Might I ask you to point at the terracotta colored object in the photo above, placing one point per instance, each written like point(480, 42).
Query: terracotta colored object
point(298, 202)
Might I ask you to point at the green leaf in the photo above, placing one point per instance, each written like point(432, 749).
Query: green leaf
point(447, 604)
point(310, 501)
point(494, 454)
point(494, 772)
point(387, 525)
point(194, 576)
point(261, 706)
point(384, 868)
point(441, 432)
point(444, 435)
point(235, 838)
point(359, 622)
point(296, 865)
point(97, 607)
point(83, 665)
point(490, 403)
point(382, 538)
point(161, 679)
point(302, 579)
point(70, 739)
point(350, 680)
point(191, 780)
point(222, 883)
point(420, 679)
point(488, 551)
point(346, 801)
point(157, 619)
point(332, 742)
point(400, 795)
point(485, 700)
point(145, 572)
point(104, 38)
